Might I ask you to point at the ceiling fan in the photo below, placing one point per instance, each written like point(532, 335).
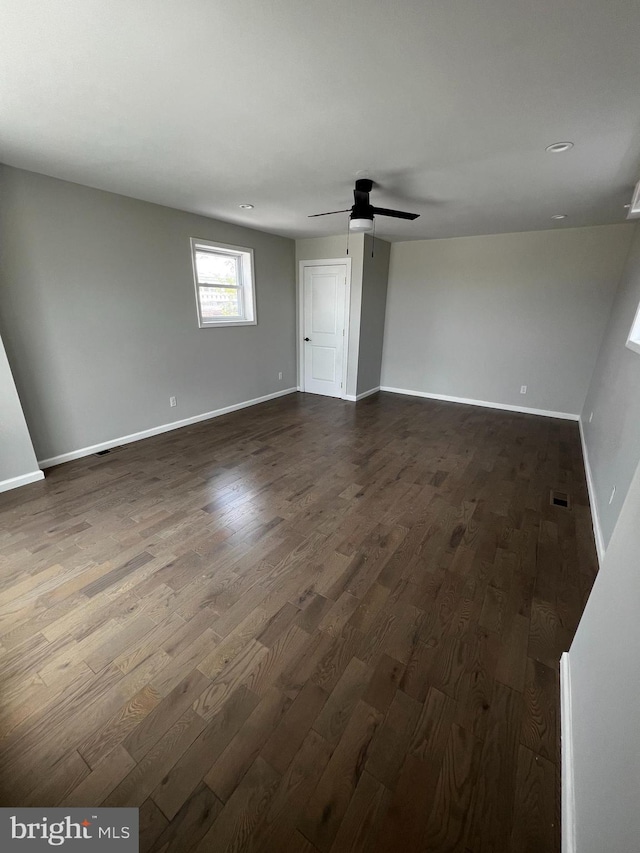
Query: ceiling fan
point(363, 212)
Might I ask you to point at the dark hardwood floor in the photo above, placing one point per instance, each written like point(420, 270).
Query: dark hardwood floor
point(307, 626)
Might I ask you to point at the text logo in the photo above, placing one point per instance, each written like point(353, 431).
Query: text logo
point(70, 829)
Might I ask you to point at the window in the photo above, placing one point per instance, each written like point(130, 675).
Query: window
point(633, 341)
point(223, 276)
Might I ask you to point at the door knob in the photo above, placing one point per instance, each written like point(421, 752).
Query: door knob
point(307, 339)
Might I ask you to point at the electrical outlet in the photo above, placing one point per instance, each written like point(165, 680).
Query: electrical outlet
point(590, 417)
point(173, 401)
point(523, 389)
point(280, 375)
point(613, 491)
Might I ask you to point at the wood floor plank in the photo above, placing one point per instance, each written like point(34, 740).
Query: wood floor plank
point(476, 685)
point(278, 624)
point(235, 641)
point(335, 789)
point(415, 680)
point(368, 608)
point(491, 815)
point(184, 662)
point(244, 811)
point(268, 669)
point(543, 633)
point(332, 720)
point(339, 614)
point(149, 643)
point(540, 709)
point(447, 823)
point(292, 794)
point(190, 823)
point(512, 659)
point(391, 740)
point(534, 823)
point(152, 823)
point(386, 679)
point(339, 651)
point(100, 782)
point(287, 737)
point(149, 770)
point(358, 831)
point(405, 822)
point(164, 714)
point(110, 735)
point(69, 772)
point(492, 616)
point(309, 618)
point(182, 779)
point(241, 752)
point(32, 750)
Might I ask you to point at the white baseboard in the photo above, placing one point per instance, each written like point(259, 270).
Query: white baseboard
point(355, 397)
point(595, 517)
point(22, 480)
point(147, 433)
point(567, 416)
point(566, 741)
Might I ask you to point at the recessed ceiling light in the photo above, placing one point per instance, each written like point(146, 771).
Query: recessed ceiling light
point(245, 206)
point(559, 216)
point(559, 147)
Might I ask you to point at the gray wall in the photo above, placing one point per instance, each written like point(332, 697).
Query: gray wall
point(477, 317)
point(320, 248)
point(613, 436)
point(605, 696)
point(17, 458)
point(375, 276)
point(97, 309)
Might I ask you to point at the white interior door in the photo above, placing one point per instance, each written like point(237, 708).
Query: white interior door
point(323, 333)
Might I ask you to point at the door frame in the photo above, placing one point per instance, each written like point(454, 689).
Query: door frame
point(324, 262)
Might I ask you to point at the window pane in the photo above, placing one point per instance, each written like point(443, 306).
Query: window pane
point(216, 269)
point(217, 302)
point(224, 287)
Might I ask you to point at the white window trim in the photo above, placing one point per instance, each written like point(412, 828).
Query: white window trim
point(248, 287)
point(633, 341)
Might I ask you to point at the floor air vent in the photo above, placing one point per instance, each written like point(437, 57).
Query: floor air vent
point(102, 452)
point(560, 499)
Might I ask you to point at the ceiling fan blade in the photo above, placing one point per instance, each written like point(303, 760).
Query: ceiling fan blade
point(330, 213)
point(397, 214)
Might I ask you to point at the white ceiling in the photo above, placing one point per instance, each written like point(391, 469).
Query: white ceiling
point(448, 104)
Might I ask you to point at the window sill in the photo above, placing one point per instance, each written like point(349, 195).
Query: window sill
point(222, 324)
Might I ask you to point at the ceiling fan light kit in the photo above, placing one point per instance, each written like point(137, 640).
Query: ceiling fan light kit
point(358, 225)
